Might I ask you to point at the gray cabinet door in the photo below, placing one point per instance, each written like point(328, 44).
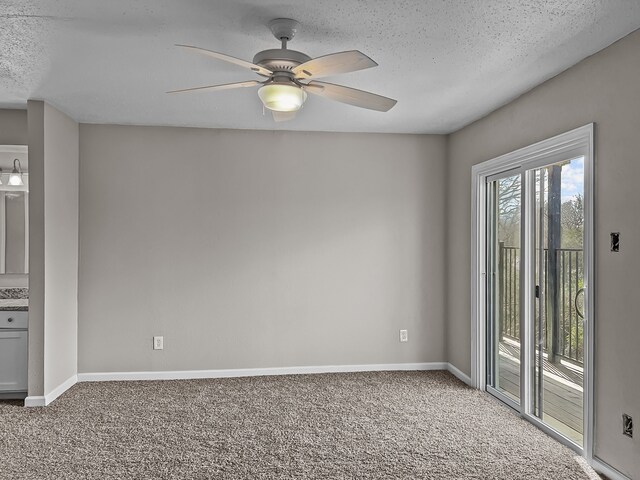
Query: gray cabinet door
point(13, 361)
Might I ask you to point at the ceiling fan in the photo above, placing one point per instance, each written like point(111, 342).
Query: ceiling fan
point(290, 75)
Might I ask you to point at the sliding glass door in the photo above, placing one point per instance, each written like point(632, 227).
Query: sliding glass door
point(504, 205)
point(558, 317)
point(535, 291)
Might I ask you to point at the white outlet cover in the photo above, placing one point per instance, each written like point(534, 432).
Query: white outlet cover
point(404, 336)
point(158, 343)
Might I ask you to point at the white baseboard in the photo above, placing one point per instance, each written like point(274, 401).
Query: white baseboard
point(255, 372)
point(604, 468)
point(34, 401)
point(459, 374)
point(60, 389)
point(43, 401)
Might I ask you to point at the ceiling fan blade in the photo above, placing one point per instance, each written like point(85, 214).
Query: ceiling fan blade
point(283, 116)
point(228, 58)
point(333, 64)
point(225, 86)
point(352, 96)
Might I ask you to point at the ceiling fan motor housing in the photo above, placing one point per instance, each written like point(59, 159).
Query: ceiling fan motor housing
point(279, 59)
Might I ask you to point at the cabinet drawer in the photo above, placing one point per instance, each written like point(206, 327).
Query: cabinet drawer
point(14, 319)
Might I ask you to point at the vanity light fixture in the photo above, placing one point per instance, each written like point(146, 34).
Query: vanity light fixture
point(15, 178)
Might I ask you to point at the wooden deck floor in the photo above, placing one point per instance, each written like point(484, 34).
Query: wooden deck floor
point(561, 397)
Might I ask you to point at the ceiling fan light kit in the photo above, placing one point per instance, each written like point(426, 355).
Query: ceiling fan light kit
point(281, 97)
point(284, 90)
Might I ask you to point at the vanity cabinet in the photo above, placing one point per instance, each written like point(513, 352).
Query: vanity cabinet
point(13, 353)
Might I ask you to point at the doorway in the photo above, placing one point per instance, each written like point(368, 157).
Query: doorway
point(532, 319)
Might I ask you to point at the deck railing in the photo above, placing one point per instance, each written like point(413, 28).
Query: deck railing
point(567, 307)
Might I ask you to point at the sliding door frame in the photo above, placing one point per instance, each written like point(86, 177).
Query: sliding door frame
point(575, 143)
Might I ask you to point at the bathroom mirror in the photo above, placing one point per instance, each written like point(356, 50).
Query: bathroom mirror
point(14, 210)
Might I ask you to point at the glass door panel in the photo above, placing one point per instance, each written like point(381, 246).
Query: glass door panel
point(503, 269)
point(558, 318)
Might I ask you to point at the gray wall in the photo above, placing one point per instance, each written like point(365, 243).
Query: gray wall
point(61, 145)
point(603, 89)
point(36, 248)
point(53, 238)
point(13, 127)
point(258, 249)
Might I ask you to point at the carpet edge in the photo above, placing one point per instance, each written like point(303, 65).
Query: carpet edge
point(254, 372)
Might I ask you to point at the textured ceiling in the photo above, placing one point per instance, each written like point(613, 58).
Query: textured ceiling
point(447, 62)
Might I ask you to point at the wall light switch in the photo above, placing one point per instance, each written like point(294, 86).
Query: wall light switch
point(404, 336)
point(615, 241)
point(627, 425)
point(158, 343)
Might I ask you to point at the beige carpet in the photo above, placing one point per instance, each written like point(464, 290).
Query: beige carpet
point(392, 425)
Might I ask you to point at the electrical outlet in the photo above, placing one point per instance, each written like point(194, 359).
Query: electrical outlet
point(627, 425)
point(404, 336)
point(158, 343)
